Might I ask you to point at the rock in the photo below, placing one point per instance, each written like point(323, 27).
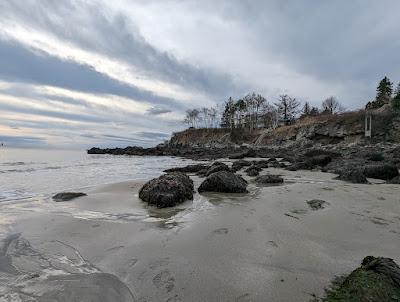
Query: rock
point(253, 170)
point(269, 179)
point(385, 171)
point(66, 196)
point(375, 156)
point(378, 279)
point(316, 204)
point(241, 155)
point(217, 166)
point(263, 164)
point(239, 164)
point(188, 169)
point(395, 180)
point(167, 190)
point(354, 175)
point(319, 160)
point(224, 181)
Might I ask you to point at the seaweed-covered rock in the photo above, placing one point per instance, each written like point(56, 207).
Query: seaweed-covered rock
point(377, 280)
point(243, 154)
point(188, 169)
point(352, 174)
point(66, 196)
point(269, 179)
point(385, 171)
point(217, 166)
point(263, 164)
point(224, 181)
point(316, 204)
point(167, 190)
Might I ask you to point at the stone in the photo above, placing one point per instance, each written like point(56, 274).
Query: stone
point(66, 196)
point(224, 181)
point(167, 190)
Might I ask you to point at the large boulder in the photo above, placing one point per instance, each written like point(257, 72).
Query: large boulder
point(385, 171)
point(378, 279)
point(216, 167)
point(224, 181)
point(167, 190)
point(269, 179)
point(66, 196)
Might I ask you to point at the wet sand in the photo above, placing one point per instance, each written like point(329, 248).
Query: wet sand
point(268, 245)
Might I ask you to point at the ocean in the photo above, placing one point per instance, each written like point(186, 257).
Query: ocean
point(27, 173)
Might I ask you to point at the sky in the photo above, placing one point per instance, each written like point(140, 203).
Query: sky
point(80, 73)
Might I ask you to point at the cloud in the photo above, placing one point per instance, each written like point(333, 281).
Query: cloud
point(158, 111)
point(124, 72)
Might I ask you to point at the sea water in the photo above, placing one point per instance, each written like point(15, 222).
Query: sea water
point(26, 173)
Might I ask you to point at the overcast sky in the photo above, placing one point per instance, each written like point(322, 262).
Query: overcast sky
point(115, 73)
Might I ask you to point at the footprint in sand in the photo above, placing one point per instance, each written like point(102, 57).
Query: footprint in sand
point(164, 280)
point(271, 247)
point(243, 298)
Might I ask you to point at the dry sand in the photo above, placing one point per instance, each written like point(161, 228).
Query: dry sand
point(268, 245)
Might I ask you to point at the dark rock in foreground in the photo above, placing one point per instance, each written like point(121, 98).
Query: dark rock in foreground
point(354, 175)
point(167, 190)
point(385, 172)
point(66, 196)
point(269, 179)
point(224, 181)
point(316, 204)
point(377, 280)
point(188, 169)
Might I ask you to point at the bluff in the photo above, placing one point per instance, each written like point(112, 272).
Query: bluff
point(340, 130)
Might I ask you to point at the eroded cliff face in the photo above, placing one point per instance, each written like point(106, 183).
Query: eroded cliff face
point(346, 128)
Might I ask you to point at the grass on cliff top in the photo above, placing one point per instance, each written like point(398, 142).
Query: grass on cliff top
point(362, 286)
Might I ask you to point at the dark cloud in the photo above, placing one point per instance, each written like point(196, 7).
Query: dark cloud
point(20, 64)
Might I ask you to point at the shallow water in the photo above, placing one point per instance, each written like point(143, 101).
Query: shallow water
point(26, 173)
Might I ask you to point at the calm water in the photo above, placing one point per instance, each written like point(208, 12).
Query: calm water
point(27, 173)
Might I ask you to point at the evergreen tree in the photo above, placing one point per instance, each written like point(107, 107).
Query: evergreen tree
point(384, 90)
point(306, 109)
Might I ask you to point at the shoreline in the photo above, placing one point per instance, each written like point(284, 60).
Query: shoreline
point(238, 247)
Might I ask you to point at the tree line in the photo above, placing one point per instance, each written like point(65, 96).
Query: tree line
point(255, 111)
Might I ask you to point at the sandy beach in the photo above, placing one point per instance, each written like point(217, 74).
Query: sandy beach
point(267, 245)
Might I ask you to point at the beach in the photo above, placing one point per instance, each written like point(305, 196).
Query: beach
point(266, 245)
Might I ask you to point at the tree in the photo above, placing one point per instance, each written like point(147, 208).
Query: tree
point(287, 108)
point(331, 105)
point(227, 119)
point(306, 109)
point(192, 117)
point(384, 91)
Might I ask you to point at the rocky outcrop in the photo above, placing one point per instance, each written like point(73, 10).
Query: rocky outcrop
point(66, 196)
point(239, 164)
point(224, 181)
point(167, 190)
point(384, 171)
point(188, 169)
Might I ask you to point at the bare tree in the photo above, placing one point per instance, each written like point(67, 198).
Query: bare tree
point(331, 106)
point(288, 108)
